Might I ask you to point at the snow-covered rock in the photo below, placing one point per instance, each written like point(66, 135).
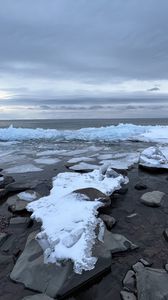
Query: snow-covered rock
point(69, 219)
point(154, 157)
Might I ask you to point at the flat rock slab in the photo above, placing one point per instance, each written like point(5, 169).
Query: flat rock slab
point(127, 295)
point(152, 284)
point(24, 221)
point(38, 297)
point(153, 199)
point(34, 274)
point(3, 237)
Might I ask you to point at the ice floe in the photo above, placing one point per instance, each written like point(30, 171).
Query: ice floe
point(82, 166)
point(75, 160)
point(154, 157)
point(126, 161)
point(47, 160)
point(121, 132)
point(69, 219)
point(23, 169)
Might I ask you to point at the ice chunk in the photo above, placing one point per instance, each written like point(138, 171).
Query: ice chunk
point(47, 160)
point(75, 160)
point(23, 169)
point(84, 167)
point(154, 157)
point(27, 196)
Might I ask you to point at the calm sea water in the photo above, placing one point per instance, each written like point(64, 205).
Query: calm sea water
point(78, 123)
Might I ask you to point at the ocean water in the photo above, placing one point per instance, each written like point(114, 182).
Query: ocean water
point(63, 124)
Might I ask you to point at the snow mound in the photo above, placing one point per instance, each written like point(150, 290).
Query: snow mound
point(154, 157)
point(120, 132)
point(69, 219)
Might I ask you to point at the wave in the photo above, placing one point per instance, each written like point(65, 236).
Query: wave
point(121, 132)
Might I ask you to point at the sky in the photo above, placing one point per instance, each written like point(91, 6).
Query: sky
point(83, 59)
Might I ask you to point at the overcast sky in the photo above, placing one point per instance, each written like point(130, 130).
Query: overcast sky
point(83, 58)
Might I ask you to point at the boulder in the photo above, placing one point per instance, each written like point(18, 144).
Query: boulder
point(152, 284)
point(129, 281)
point(34, 274)
point(15, 204)
point(108, 220)
point(153, 199)
point(140, 186)
point(127, 295)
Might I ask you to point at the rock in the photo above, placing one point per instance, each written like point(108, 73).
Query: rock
point(15, 204)
point(129, 280)
point(140, 186)
point(3, 237)
point(165, 234)
point(93, 194)
point(112, 243)
point(108, 220)
point(38, 297)
point(153, 199)
point(154, 158)
point(34, 274)
point(122, 191)
point(2, 193)
point(20, 221)
point(8, 243)
point(138, 266)
point(166, 267)
point(6, 263)
point(145, 262)
point(152, 284)
point(7, 180)
point(127, 296)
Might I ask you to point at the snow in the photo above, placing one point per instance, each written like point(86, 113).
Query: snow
point(47, 160)
point(23, 169)
point(84, 167)
point(27, 196)
point(154, 157)
point(121, 132)
point(69, 219)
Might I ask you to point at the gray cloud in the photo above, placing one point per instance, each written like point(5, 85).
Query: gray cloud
point(89, 42)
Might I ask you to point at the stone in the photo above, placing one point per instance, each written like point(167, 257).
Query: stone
point(112, 243)
point(166, 267)
point(152, 284)
point(122, 191)
point(165, 234)
point(129, 280)
point(6, 263)
point(108, 220)
point(127, 295)
point(38, 297)
point(153, 199)
point(138, 266)
point(140, 186)
point(145, 262)
point(24, 221)
point(34, 274)
point(93, 194)
point(3, 237)
point(15, 204)
point(2, 193)
point(7, 180)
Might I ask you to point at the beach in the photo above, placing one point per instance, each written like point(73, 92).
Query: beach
point(117, 166)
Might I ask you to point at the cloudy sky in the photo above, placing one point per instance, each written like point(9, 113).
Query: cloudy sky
point(83, 59)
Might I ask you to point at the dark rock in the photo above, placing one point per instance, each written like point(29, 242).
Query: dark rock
point(129, 281)
point(34, 274)
point(108, 220)
point(23, 221)
point(127, 295)
point(15, 204)
point(3, 237)
point(138, 266)
point(122, 191)
point(145, 262)
point(165, 234)
point(140, 186)
point(2, 193)
point(38, 297)
point(6, 263)
point(152, 284)
point(93, 194)
point(153, 199)
point(7, 180)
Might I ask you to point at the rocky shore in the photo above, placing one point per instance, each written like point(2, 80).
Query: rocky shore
point(132, 258)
